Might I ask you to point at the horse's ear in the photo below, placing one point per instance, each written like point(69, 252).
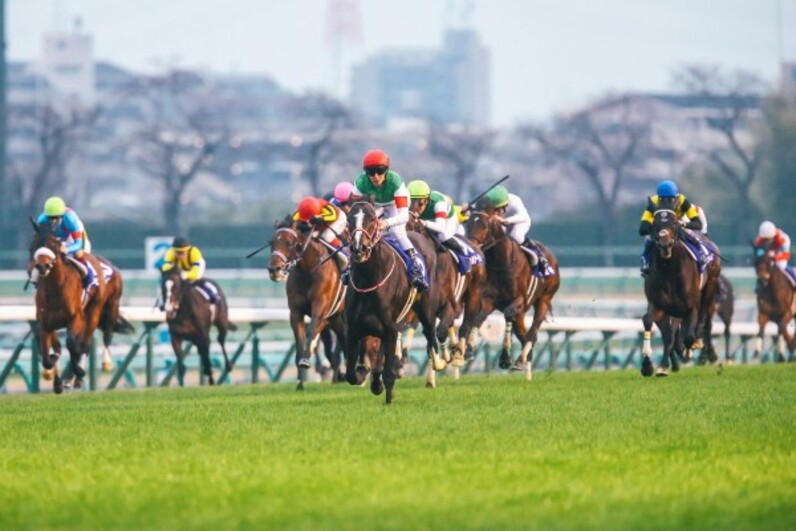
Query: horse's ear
point(371, 199)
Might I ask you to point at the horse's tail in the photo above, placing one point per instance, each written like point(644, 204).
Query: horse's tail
point(123, 326)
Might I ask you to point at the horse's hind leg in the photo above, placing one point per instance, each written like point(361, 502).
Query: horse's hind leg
point(222, 338)
point(390, 368)
point(203, 347)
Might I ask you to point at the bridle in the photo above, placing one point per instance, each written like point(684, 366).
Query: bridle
point(168, 284)
point(484, 218)
point(289, 261)
point(363, 250)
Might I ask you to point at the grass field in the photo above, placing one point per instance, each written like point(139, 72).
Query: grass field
point(699, 450)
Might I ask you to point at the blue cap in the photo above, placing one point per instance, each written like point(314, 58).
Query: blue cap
point(668, 189)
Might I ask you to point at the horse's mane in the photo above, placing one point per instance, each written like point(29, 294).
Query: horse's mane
point(286, 223)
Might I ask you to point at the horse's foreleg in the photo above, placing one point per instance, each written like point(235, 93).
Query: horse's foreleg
point(505, 352)
point(301, 359)
point(762, 321)
point(176, 346)
point(338, 327)
point(786, 338)
point(391, 360)
point(353, 343)
point(667, 329)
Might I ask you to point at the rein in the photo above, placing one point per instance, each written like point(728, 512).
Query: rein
point(378, 284)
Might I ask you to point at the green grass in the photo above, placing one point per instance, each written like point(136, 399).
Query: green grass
point(566, 451)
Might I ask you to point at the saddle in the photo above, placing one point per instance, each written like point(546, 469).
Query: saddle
point(472, 257)
point(695, 252)
point(408, 264)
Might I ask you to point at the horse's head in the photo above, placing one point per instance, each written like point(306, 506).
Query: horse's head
point(286, 246)
point(45, 249)
point(171, 286)
point(363, 225)
point(764, 262)
point(664, 232)
point(484, 228)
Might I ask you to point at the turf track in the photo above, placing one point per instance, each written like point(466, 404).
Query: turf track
point(703, 449)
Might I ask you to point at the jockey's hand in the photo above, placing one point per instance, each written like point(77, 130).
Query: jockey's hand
point(63, 248)
point(414, 215)
point(383, 225)
point(501, 220)
point(683, 223)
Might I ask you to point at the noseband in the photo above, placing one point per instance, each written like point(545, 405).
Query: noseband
point(289, 263)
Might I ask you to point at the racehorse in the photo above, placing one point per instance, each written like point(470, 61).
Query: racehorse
point(60, 303)
point(458, 293)
point(775, 301)
point(382, 298)
point(675, 289)
point(189, 315)
point(314, 290)
point(512, 285)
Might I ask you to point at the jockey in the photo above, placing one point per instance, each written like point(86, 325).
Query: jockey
point(771, 238)
point(191, 263)
point(669, 197)
point(70, 230)
point(516, 222)
point(342, 195)
point(392, 201)
point(436, 212)
point(329, 219)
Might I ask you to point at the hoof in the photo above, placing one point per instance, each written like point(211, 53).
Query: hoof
point(505, 360)
point(646, 367)
point(107, 366)
point(698, 344)
point(520, 367)
point(300, 386)
point(304, 363)
point(48, 374)
point(376, 387)
point(438, 363)
point(458, 361)
point(78, 384)
point(58, 385)
point(661, 372)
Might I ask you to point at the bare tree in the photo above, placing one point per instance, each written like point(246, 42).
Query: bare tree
point(734, 98)
point(461, 148)
point(56, 135)
point(320, 120)
point(603, 143)
point(182, 129)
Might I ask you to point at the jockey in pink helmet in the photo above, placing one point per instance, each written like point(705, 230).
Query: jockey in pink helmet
point(342, 195)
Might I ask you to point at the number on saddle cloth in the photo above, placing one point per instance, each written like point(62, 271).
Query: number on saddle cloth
point(462, 260)
point(207, 290)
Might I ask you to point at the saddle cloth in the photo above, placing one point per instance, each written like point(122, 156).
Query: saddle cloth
point(694, 252)
point(408, 264)
point(473, 258)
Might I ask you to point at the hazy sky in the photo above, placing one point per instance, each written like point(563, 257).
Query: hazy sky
point(546, 54)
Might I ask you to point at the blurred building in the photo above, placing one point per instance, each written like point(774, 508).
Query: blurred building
point(449, 85)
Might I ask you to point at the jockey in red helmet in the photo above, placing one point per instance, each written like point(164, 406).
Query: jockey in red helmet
point(392, 203)
point(329, 220)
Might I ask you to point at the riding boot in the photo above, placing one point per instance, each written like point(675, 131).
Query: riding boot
point(210, 289)
point(90, 274)
point(456, 246)
point(345, 275)
point(529, 249)
point(537, 247)
point(418, 278)
point(342, 259)
point(646, 257)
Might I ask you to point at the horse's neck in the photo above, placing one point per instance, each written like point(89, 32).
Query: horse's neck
point(312, 255)
point(780, 284)
point(381, 258)
point(57, 279)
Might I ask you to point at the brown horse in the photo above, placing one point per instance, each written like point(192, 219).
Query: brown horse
point(189, 315)
point(60, 304)
point(459, 293)
point(381, 300)
point(775, 301)
point(314, 290)
point(675, 289)
point(512, 286)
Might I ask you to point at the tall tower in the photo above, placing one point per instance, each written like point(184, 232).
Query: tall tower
point(343, 30)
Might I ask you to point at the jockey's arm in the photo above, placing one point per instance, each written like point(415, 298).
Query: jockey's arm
point(645, 228)
point(73, 228)
point(517, 213)
point(440, 221)
point(782, 246)
point(401, 202)
point(647, 217)
point(197, 265)
point(691, 212)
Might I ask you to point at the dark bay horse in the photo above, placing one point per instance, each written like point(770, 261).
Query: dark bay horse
point(189, 316)
point(459, 294)
point(512, 287)
point(314, 290)
point(60, 304)
point(775, 301)
point(382, 298)
point(675, 289)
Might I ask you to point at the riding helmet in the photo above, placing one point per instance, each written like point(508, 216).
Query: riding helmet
point(54, 207)
point(767, 230)
point(419, 189)
point(375, 157)
point(668, 189)
point(181, 243)
point(498, 196)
